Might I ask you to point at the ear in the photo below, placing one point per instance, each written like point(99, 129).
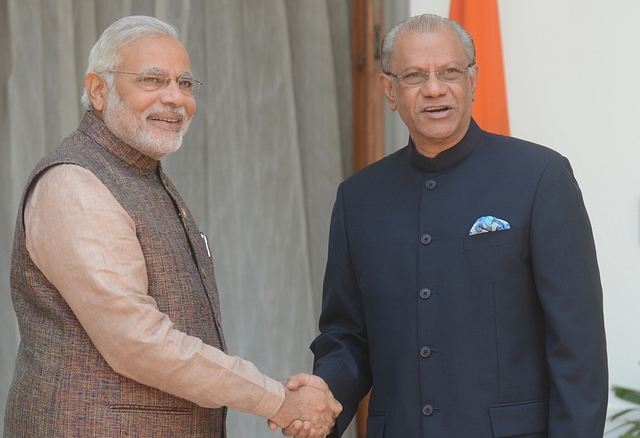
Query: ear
point(474, 81)
point(387, 88)
point(97, 90)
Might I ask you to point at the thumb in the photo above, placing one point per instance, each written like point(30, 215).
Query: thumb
point(296, 381)
point(335, 406)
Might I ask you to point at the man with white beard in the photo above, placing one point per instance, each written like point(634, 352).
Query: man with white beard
point(112, 281)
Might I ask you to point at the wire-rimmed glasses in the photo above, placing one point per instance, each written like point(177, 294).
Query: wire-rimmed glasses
point(154, 81)
point(445, 74)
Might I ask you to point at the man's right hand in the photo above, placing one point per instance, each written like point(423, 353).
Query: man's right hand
point(309, 408)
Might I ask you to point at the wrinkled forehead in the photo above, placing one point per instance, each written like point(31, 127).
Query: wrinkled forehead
point(436, 48)
point(157, 53)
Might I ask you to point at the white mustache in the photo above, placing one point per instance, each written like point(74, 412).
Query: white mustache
point(166, 109)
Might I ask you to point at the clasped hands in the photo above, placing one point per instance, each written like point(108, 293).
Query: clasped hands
point(309, 408)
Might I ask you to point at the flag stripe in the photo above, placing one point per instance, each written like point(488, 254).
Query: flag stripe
point(481, 19)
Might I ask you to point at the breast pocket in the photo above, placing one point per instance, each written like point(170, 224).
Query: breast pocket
point(486, 240)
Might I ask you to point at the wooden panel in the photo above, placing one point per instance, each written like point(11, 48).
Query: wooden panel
point(368, 107)
point(368, 103)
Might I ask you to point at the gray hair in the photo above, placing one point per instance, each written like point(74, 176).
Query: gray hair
point(104, 55)
point(426, 23)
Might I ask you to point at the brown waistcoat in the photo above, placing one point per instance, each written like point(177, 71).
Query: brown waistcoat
point(62, 386)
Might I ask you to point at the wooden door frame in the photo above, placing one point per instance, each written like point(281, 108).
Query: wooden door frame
point(368, 107)
point(368, 99)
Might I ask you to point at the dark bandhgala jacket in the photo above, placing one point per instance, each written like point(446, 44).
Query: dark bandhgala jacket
point(492, 335)
point(62, 385)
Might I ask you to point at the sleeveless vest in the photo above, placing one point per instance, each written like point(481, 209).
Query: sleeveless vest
point(62, 386)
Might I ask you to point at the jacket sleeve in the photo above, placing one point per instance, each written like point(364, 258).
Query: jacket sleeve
point(341, 350)
point(568, 284)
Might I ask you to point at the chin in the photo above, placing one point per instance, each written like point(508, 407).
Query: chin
point(155, 146)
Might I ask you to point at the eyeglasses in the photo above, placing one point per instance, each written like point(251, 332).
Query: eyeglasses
point(445, 74)
point(150, 81)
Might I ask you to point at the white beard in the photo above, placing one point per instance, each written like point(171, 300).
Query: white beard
point(132, 128)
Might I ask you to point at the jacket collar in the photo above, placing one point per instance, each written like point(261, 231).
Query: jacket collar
point(449, 157)
point(94, 128)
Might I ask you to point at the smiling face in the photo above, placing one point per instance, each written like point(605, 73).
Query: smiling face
point(437, 113)
point(153, 122)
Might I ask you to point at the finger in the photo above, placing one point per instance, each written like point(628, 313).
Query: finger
point(293, 429)
point(302, 432)
point(311, 432)
point(296, 381)
point(272, 425)
point(317, 382)
point(317, 433)
point(335, 406)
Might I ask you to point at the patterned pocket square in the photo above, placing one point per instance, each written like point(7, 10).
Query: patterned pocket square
point(487, 224)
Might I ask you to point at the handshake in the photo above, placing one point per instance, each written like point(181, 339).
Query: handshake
point(309, 409)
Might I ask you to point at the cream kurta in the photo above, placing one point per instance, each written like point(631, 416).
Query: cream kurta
point(85, 243)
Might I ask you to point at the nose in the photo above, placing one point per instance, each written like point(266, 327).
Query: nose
point(171, 94)
point(433, 86)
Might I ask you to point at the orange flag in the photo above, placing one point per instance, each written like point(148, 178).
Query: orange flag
point(480, 19)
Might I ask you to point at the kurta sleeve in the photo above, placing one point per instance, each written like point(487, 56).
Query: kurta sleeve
point(85, 243)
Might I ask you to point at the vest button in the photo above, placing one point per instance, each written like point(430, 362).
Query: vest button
point(425, 293)
point(427, 410)
point(425, 352)
point(431, 184)
point(425, 239)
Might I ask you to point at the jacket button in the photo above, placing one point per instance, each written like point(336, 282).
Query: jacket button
point(425, 239)
point(425, 293)
point(425, 352)
point(427, 410)
point(431, 184)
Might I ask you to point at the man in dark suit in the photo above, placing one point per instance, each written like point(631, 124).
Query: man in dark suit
point(462, 285)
